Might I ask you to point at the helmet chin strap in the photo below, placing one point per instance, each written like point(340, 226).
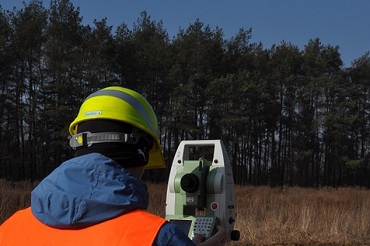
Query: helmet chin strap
point(86, 139)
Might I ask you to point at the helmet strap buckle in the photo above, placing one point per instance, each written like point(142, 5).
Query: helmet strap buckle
point(86, 139)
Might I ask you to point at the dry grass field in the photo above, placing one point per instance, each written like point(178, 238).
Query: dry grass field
point(266, 216)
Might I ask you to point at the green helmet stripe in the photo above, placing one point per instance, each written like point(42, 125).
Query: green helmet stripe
point(130, 100)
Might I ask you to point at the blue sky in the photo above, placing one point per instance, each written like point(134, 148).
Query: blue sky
point(345, 23)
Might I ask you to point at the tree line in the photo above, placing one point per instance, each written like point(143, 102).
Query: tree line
point(287, 116)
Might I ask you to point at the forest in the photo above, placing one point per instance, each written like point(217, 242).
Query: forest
point(288, 116)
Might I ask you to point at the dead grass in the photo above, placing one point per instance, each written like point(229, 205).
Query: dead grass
point(13, 196)
point(266, 216)
point(298, 216)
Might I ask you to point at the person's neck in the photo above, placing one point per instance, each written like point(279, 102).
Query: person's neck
point(136, 171)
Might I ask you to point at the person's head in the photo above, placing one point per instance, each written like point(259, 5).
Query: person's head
point(118, 123)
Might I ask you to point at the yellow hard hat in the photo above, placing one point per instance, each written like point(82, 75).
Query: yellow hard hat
point(122, 104)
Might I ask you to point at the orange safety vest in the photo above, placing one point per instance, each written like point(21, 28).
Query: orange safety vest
point(134, 228)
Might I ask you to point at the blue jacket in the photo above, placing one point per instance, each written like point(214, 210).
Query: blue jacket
point(90, 189)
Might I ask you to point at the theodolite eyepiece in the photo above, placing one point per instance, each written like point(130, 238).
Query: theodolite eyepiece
point(189, 183)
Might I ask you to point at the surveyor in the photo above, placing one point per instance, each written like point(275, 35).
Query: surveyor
point(98, 197)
